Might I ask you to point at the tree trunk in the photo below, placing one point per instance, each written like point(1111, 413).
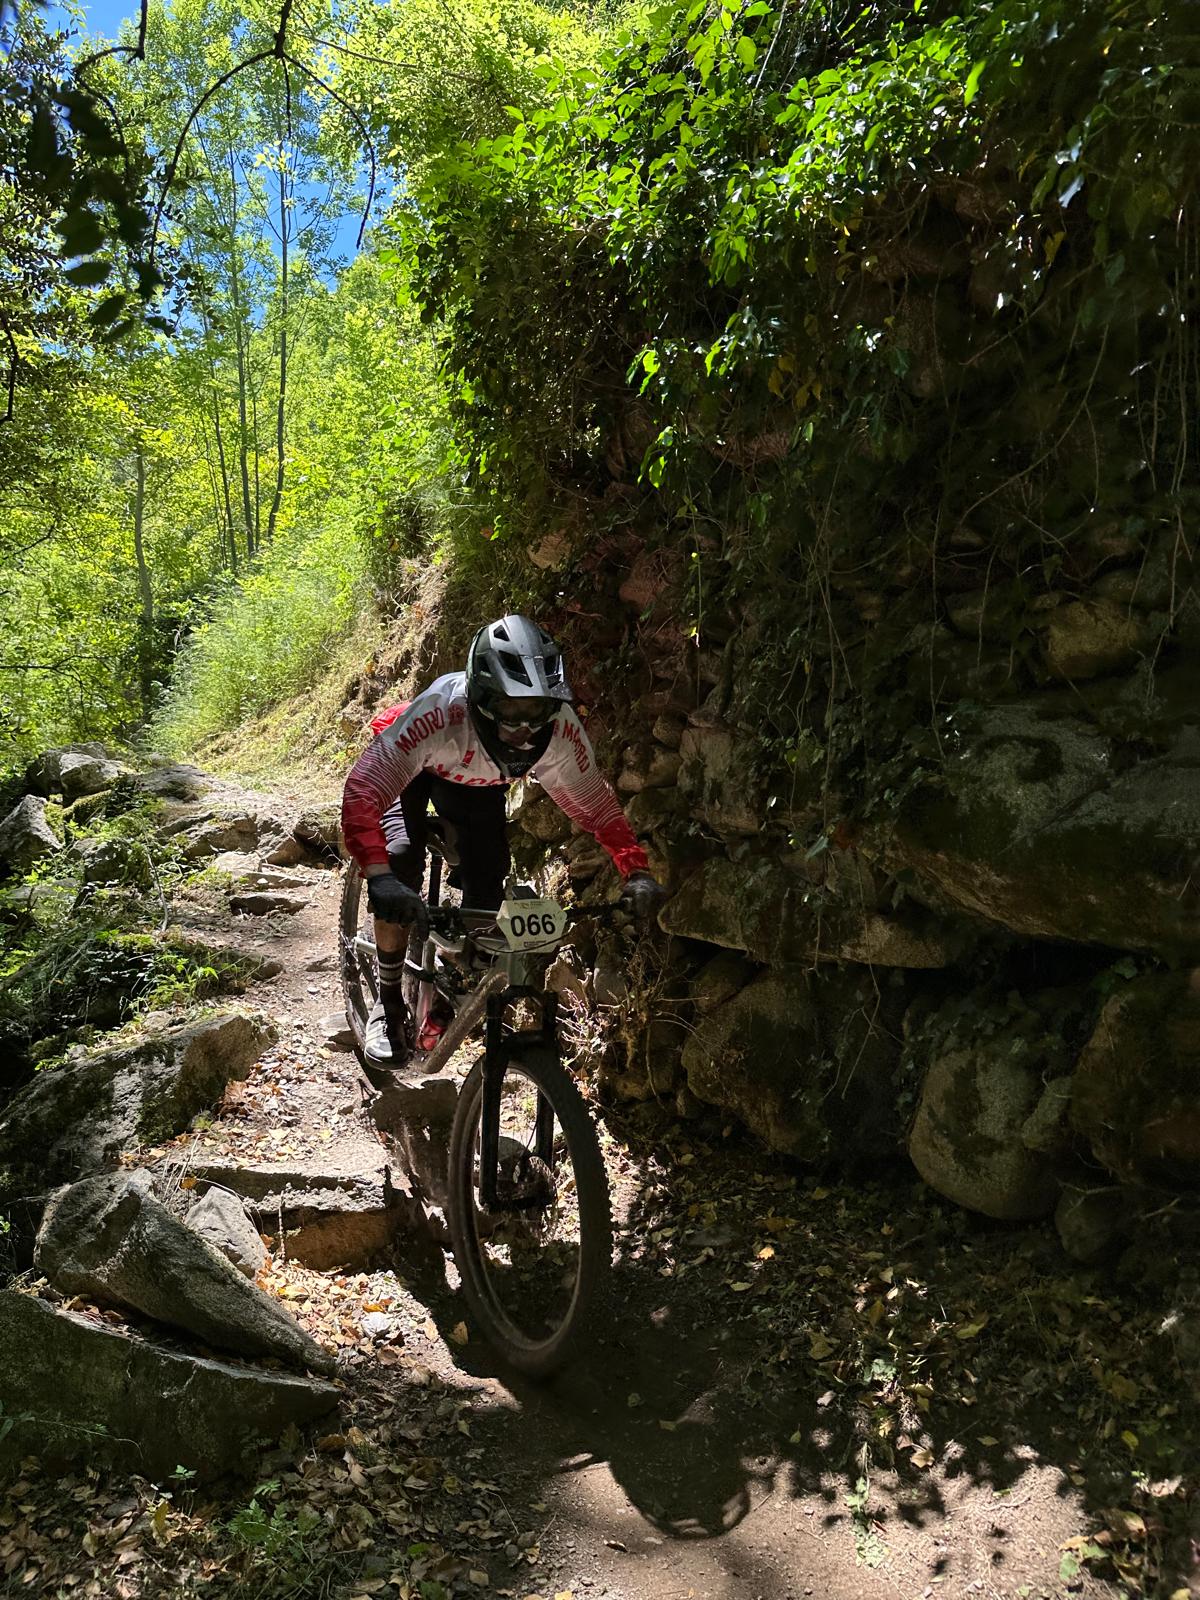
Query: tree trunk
point(235, 296)
point(147, 653)
point(283, 345)
point(230, 530)
point(139, 548)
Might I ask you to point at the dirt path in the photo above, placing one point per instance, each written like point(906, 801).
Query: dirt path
point(838, 1392)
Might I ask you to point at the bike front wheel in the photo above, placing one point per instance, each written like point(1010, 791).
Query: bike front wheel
point(535, 1266)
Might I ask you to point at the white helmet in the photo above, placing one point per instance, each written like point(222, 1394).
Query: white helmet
point(512, 659)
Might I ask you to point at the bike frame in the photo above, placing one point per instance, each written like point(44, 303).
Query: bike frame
point(513, 976)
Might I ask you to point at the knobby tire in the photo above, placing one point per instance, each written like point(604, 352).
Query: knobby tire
point(535, 1358)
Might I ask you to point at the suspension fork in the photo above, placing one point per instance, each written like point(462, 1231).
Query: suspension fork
point(498, 1047)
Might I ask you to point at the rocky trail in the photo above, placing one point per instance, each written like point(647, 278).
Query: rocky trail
point(832, 1389)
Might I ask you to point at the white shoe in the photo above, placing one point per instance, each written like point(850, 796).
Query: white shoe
point(377, 1046)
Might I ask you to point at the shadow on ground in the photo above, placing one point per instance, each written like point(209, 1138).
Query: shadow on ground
point(880, 1371)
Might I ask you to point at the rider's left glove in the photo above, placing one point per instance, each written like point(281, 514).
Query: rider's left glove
point(642, 895)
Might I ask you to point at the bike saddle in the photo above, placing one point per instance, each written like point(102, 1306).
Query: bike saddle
point(442, 837)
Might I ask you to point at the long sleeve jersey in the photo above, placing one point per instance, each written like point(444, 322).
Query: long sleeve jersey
point(434, 733)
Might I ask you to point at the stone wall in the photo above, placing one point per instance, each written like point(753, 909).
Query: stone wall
point(992, 974)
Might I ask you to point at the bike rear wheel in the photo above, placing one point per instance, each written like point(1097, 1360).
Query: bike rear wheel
point(534, 1269)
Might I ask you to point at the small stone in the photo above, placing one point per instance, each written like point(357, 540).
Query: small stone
point(335, 1031)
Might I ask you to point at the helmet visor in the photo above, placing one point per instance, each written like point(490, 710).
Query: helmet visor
point(512, 712)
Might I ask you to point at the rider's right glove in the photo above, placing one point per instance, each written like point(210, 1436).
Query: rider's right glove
point(642, 895)
point(393, 901)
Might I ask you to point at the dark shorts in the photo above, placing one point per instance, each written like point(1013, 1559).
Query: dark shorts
point(477, 815)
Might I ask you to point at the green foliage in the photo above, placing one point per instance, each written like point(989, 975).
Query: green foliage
point(281, 1556)
point(860, 307)
point(431, 75)
point(85, 956)
point(267, 637)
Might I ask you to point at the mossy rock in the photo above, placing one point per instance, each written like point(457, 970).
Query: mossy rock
point(806, 1060)
point(1135, 1095)
point(1043, 825)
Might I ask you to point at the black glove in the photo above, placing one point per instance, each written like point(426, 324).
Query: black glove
point(393, 901)
point(642, 895)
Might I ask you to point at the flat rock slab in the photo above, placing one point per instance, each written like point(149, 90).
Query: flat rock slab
point(77, 1391)
point(173, 780)
point(77, 1119)
point(416, 1114)
point(261, 903)
point(110, 1239)
point(323, 1217)
point(249, 872)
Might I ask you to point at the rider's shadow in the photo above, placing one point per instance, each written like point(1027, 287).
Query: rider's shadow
point(642, 1401)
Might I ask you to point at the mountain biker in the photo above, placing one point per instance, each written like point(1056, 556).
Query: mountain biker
point(459, 745)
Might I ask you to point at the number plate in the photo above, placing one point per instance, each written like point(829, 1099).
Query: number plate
point(532, 924)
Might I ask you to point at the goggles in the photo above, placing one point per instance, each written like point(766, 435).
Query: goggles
point(512, 713)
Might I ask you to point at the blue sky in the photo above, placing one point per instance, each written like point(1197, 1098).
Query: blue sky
point(106, 16)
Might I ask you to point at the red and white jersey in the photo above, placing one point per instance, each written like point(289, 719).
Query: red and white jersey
point(434, 733)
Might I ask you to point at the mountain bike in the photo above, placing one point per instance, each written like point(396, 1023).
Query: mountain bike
point(528, 1202)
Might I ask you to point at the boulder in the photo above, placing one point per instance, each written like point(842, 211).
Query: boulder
point(80, 774)
point(44, 773)
point(1088, 637)
point(716, 775)
point(108, 1238)
point(805, 1060)
point(115, 861)
point(773, 911)
point(967, 1137)
point(79, 1392)
point(1135, 1094)
point(220, 1217)
point(719, 980)
point(663, 771)
point(26, 836)
point(280, 848)
point(1039, 823)
point(1089, 1221)
point(320, 828)
point(171, 780)
point(650, 573)
point(668, 730)
point(541, 819)
point(567, 975)
point(212, 834)
point(652, 810)
point(251, 872)
point(322, 1215)
point(78, 1118)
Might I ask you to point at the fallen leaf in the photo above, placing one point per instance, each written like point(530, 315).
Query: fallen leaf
point(459, 1334)
point(987, 1439)
point(819, 1346)
point(922, 1457)
point(969, 1330)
